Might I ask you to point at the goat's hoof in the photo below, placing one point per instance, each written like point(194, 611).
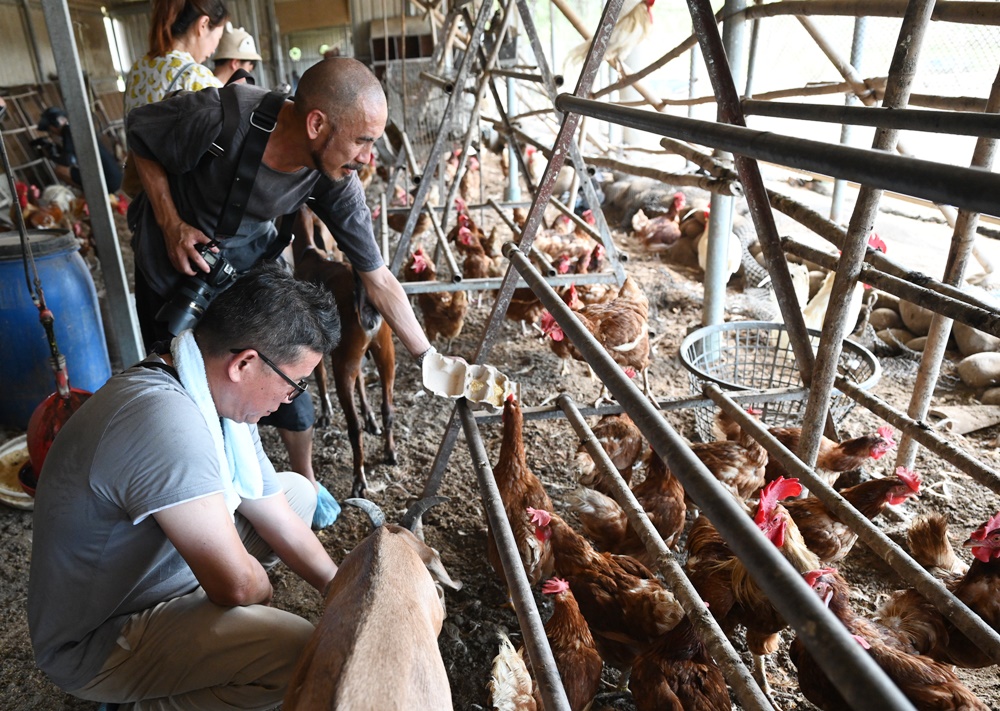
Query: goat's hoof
point(391, 458)
point(323, 421)
point(359, 490)
point(373, 429)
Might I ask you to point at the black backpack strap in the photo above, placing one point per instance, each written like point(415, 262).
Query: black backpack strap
point(262, 123)
point(284, 237)
point(241, 74)
point(230, 122)
point(160, 365)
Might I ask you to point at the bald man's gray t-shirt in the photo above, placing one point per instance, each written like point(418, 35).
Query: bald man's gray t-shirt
point(177, 133)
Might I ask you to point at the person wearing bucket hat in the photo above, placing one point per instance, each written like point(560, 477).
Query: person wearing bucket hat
point(62, 151)
point(236, 51)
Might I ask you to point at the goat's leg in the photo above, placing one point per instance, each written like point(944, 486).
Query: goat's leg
point(323, 392)
point(384, 354)
point(367, 415)
point(345, 393)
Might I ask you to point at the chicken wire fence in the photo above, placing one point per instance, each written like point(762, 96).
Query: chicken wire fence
point(425, 106)
point(757, 355)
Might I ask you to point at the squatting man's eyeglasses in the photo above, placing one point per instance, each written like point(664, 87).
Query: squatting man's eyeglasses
point(300, 387)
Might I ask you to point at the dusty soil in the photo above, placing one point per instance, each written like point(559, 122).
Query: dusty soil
point(468, 641)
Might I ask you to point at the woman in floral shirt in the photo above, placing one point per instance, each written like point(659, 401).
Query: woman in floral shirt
point(182, 35)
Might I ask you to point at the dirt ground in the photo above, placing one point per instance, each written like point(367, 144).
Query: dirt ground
point(468, 641)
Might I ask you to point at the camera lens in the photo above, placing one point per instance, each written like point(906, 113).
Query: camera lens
point(187, 305)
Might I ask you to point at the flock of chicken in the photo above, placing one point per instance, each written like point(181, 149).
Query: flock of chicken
point(58, 207)
point(618, 319)
point(610, 608)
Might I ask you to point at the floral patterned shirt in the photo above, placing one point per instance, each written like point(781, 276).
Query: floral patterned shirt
point(150, 80)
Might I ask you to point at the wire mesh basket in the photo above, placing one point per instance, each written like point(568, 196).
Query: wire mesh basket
point(757, 355)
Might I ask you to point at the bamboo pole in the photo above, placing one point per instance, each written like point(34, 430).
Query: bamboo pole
point(902, 71)
point(963, 237)
point(723, 186)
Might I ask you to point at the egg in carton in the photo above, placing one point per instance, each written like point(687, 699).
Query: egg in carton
point(483, 386)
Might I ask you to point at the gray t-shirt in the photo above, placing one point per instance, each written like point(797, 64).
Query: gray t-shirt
point(177, 133)
point(137, 446)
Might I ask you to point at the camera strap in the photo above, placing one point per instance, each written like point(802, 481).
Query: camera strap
point(262, 122)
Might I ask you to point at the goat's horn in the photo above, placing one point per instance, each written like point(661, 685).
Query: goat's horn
point(370, 508)
point(413, 514)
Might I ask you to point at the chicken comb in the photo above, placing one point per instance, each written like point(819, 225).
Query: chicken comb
point(679, 197)
point(909, 477)
point(554, 586)
point(885, 432)
point(991, 525)
point(588, 217)
point(754, 412)
point(862, 641)
point(876, 242)
point(629, 371)
point(780, 488)
point(539, 517)
point(813, 575)
point(460, 204)
point(550, 327)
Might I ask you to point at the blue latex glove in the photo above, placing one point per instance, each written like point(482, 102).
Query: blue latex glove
point(327, 509)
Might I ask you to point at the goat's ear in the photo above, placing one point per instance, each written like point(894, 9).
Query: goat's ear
point(436, 568)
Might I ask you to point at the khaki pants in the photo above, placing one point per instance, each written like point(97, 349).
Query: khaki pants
point(189, 653)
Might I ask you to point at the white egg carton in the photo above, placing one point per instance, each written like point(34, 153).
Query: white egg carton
point(483, 386)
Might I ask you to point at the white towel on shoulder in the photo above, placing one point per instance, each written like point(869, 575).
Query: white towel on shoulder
point(238, 464)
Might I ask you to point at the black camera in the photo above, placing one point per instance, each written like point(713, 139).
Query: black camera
point(46, 148)
point(188, 304)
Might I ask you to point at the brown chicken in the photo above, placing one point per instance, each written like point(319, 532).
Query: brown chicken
point(659, 231)
point(620, 325)
point(738, 465)
point(624, 604)
point(926, 683)
point(930, 546)
point(469, 185)
point(724, 583)
point(443, 311)
point(623, 443)
point(397, 220)
point(573, 647)
point(833, 457)
point(604, 521)
point(676, 673)
point(829, 537)
point(519, 490)
point(929, 631)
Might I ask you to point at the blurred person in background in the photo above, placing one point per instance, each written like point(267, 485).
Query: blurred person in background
point(236, 51)
point(182, 35)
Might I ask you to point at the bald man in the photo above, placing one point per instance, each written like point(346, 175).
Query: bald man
point(321, 138)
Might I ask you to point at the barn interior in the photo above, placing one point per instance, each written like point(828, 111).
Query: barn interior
point(792, 205)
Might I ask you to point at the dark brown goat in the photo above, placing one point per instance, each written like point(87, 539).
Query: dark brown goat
point(363, 330)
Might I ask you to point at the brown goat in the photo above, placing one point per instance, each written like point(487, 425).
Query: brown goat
point(363, 330)
point(376, 645)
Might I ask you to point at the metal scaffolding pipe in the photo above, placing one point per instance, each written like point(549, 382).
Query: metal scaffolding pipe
point(424, 287)
point(973, 189)
point(744, 687)
point(442, 242)
point(960, 123)
point(977, 13)
point(535, 641)
point(445, 84)
point(554, 412)
point(986, 320)
point(980, 633)
point(862, 682)
point(525, 76)
point(923, 433)
point(962, 246)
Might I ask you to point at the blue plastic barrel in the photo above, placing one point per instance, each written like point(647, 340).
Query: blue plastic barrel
point(26, 376)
